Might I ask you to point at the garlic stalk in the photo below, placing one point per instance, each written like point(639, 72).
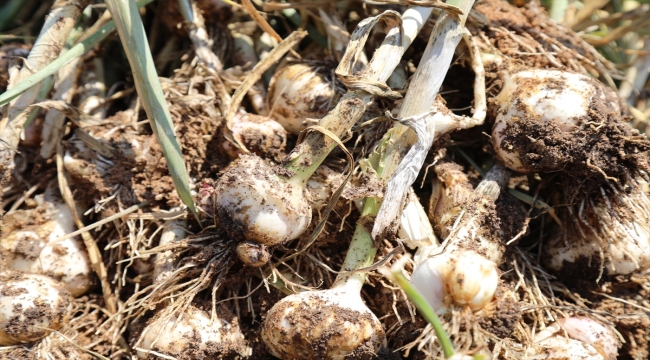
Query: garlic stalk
point(588, 339)
point(245, 55)
point(329, 324)
point(31, 306)
point(463, 271)
point(30, 248)
point(58, 25)
point(269, 205)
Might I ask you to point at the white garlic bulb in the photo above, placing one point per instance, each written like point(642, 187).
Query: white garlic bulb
point(299, 92)
point(29, 245)
point(588, 339)
point(256, 203)
point(29, 305)
point(611, 230)
point(463, 278)
point(327, 324)
point(193, 336)
point(546, 98)
point(261, 135)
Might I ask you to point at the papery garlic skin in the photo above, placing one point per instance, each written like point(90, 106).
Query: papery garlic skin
point(30, 304)
point(328, 324)
point(255, 203)
point(193, 336)
point(299, 92)
point(553, 97)
point(32, 249)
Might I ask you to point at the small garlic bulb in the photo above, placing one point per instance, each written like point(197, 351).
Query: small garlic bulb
point(557, 103)
point(463, 278)
point(610, 230)
point(29, 305)
point(327, 324)
point(193, 336)
point(299, 92)
point(256, 203)
point(30, 248)
point(588, 339)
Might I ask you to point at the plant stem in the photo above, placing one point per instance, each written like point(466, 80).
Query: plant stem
point(361, 252)
point(308, 155)
point(134, 40)
point(427, 312)
point(428, 78)
point(47, 47)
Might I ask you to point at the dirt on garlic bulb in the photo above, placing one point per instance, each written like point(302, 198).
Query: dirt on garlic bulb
point(261, 135)
point(328, 324)
point(194, 336)
point(30, 245)
point(30, 304)
point(551, 121)
point(260, 204)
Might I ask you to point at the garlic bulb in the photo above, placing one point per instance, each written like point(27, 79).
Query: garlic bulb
point(30, 248)
point(193, 336)
point(327, 324)
point(539, 115)
point(587, 340)
point(256, 203)
point(610, 230)
point(29, 305)
point(299, 92)
point(464, 278)
point(463, 270)
point(261, 135)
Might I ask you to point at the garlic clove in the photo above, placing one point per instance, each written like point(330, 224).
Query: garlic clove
point(193, 336)
point(252, 254)
point(472, 280)
point(29, 305)
point(430, 277)
point(327, 324)
point(255, 203)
